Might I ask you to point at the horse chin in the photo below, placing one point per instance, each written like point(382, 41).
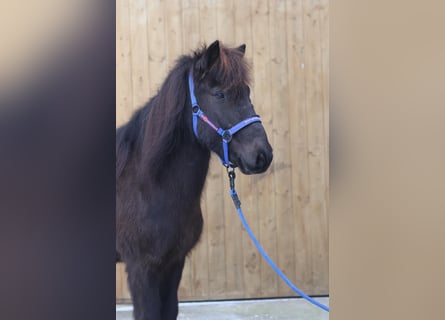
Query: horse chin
point(249, 170)
point(246, 171)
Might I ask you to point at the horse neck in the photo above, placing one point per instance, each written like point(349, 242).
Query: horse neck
point(171, 156)
point(188, 169)
point(185, 169)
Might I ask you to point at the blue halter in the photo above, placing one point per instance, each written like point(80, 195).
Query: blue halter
point(226, 134)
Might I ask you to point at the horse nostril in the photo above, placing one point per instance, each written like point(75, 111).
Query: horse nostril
point(261, 160)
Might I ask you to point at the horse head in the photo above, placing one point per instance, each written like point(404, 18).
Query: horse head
point(223, 112)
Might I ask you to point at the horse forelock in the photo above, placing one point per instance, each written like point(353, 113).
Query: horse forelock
point(230, 71)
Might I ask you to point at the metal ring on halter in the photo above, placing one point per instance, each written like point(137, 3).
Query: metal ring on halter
point(227, 136)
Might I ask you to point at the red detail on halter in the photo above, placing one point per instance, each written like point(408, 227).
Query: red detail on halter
point(206, 120)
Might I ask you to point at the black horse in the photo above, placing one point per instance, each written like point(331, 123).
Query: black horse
point(162, 158)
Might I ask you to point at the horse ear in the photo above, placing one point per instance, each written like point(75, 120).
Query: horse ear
point(242, 48)
point(212, 54)
point(209, 57)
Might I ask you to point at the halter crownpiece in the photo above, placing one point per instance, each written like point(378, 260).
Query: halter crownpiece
point(226, 134)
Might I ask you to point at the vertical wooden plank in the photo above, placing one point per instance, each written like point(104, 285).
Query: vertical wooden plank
point(324, 33)
point(207, 34)
point(189, 29)
point(207, 21)
point(173, 49)
point(318, 222)
point(200, 272)
point(156, 39)
point(303, 215)
point(316, 135)
point(315, 108)
point(298, 139)
point(225, 30)
point(225, 23)
point(119, 281)
point(139, 49)
point(243, 30)
point(124, 103)
point(213, 196)
point(264, 183)
point(185, 286)
point(324, 47)
point(321, 256)
point(216, 235)
point(242, 262)
point(124, 97)
point(217, 215)
point(190, 25)
point(323, 17)
point(122, 291)
point(281, 140)
point(173, 30)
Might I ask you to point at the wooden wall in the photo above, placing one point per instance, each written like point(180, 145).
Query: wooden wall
point(287, 44)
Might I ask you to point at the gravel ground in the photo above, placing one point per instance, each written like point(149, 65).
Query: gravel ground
point(274, 309)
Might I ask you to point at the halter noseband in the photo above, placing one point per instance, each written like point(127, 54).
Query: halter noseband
point(226, 134)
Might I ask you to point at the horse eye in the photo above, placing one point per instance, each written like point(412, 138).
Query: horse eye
point(219, 94)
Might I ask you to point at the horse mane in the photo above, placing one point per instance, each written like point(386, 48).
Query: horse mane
point(158, 128)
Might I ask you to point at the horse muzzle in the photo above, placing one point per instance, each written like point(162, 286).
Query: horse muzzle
point(255, 159)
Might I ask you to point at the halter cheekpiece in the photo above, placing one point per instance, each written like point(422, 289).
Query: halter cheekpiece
point(226, 134)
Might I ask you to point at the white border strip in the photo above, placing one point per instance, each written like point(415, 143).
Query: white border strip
point(123, 308)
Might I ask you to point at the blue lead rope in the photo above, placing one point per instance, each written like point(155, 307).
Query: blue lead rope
point(236, 201)
point(226, 136)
